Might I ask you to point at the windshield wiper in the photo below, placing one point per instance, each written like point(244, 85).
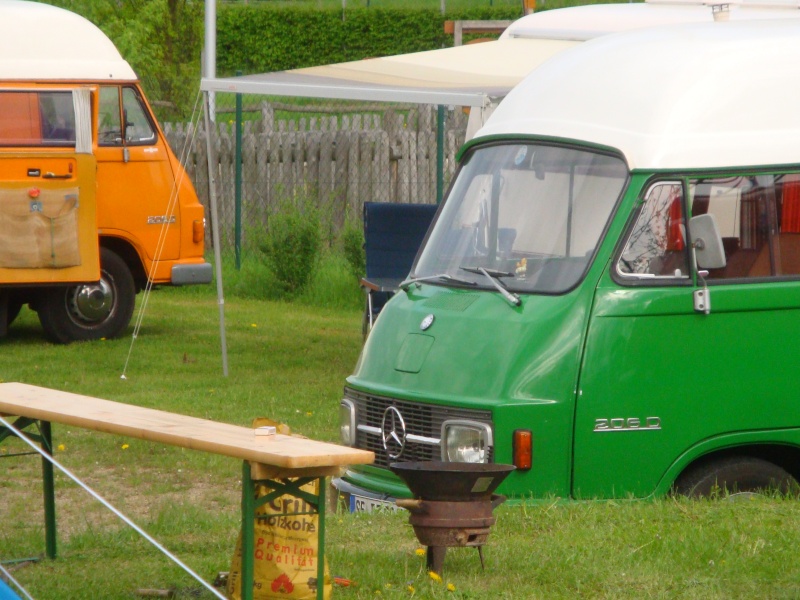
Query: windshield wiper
point(404, 285)
point(494, 277)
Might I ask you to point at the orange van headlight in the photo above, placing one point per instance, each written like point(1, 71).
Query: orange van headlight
point(198, 230)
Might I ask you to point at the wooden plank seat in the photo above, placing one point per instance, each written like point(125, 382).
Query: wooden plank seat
point(273, 459)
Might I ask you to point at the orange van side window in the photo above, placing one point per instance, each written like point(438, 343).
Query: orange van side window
point(110, 131)
point(36, 118)
point(139, 130)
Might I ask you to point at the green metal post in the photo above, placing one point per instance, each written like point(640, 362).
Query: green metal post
point(248, 532)
point(48, 486)
point(321, 541)
point(439, 153)
point(238, 181)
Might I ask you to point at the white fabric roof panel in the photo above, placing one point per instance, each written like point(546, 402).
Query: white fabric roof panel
point(693, 96)
point(45, 43)
point(463, 76)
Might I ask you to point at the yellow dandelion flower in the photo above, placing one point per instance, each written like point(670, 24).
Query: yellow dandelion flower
point(125, 446)
point(451, 587)
point(387, 586)
point(435, 576)
point(309, 413)
point(420, 551)
point(253, 325)
point(61, 447)
point(410, 589)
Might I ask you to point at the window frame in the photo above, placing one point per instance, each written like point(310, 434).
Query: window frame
point(121, 112)
point(647, 279)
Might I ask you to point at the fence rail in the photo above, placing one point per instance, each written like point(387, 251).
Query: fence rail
point(341, 156)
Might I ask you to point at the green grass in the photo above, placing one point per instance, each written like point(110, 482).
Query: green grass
point(288, 361)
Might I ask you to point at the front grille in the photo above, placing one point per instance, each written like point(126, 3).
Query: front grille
point(424, 420)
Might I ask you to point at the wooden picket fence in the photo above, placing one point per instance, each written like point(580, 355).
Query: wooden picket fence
point(339, 160)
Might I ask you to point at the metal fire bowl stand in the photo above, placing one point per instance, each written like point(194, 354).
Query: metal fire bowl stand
point(454, 504)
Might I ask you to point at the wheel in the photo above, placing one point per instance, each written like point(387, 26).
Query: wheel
point(12, 311)
point(735, 475)
point(91, 311)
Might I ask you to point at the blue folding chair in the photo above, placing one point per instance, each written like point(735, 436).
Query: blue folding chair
point(6, 593)
point(393, 233)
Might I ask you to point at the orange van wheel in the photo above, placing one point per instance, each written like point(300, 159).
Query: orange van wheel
point(91, 311)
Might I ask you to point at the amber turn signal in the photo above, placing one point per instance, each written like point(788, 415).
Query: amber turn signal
point(198, 231)
point(523, 449)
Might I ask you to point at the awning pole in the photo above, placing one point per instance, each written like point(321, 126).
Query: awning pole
point(212, 194)
point(238, 182)
point(439, 153)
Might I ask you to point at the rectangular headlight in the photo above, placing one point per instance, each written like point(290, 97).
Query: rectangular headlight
point(466, 441)
point(347, 422)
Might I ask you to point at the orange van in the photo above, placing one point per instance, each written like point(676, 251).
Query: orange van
point(93, 203)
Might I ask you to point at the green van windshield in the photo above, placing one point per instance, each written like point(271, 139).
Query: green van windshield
point(528, 214)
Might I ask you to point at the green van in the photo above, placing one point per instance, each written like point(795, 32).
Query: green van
point(609, 295)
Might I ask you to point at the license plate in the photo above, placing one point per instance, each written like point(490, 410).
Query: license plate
point(364, 504)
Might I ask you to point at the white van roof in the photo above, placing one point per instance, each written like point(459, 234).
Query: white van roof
point(45, 43)
point(679, 97)
point(581, 23)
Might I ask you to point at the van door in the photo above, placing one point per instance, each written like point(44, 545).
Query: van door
point(48, 231)
point(633, 398)
point(664, 380)
point(134, 179)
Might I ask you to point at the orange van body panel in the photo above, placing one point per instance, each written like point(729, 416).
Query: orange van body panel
point(147, 200)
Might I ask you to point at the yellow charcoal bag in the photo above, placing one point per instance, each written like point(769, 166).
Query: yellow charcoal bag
point(286, 547)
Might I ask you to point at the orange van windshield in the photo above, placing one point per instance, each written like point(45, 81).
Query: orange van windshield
point(29, 118)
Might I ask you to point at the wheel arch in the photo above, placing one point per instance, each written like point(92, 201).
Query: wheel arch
point(128, 253)
point(780, 448)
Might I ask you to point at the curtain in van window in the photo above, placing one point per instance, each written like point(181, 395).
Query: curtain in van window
point(83, 120)
point(790, 210)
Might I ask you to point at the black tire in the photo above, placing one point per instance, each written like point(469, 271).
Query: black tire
point(91, 311)
point(735, 475)
point(12, 311)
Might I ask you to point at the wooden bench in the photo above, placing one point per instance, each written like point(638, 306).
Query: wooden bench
point(284, 463)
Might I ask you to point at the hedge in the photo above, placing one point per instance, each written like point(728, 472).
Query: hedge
point(259, 38)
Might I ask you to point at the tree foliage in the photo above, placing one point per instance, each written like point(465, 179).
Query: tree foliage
point(161, 39)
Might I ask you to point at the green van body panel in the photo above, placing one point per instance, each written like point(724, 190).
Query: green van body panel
point(627, 354)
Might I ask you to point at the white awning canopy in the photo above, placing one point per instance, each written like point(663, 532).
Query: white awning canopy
point(472, 75)
point(480, 75)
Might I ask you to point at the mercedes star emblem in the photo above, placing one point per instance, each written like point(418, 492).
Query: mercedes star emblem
point(393, 432)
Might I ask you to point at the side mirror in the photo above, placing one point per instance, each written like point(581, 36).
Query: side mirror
point(707, 242)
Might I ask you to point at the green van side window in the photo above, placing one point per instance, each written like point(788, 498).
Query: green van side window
point(656, 246)
point(759, 220)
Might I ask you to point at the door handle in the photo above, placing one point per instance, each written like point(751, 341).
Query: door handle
point(54, 176)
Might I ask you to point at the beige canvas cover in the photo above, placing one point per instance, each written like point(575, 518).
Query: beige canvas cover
point(471, 75)
point(39, 228)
